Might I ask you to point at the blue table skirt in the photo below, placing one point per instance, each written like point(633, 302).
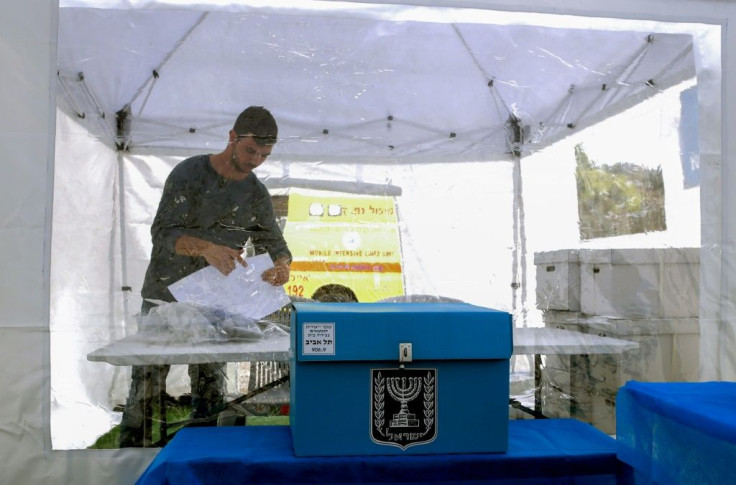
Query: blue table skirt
point(555, 451)
point(678, 433)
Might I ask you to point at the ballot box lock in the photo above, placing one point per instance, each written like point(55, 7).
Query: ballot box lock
point(404, 352)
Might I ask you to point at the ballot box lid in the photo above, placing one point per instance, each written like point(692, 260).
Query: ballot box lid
point(377, 331)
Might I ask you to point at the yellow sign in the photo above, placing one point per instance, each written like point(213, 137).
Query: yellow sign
point(344, 247)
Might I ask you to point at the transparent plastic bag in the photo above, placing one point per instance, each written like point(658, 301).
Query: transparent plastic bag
point(187, 322)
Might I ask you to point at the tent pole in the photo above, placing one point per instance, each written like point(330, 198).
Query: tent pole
point(518, 270)
point(124, 286)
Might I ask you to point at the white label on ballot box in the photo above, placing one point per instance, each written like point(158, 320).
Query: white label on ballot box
point(318, 338)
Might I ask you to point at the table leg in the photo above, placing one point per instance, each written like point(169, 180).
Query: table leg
point(538, 384)
point(536, 412)
point(147, 405)
point(163, 424)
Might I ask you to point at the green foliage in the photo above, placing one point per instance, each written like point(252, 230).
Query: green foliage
point(177, 414)
point(267, 421)
point(620, 199)
point(174, 414)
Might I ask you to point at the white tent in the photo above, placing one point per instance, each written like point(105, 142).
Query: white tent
point(364, 93)
point(398, 86)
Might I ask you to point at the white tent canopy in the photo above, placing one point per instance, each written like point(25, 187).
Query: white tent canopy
point(362, 83)
point(451, 98)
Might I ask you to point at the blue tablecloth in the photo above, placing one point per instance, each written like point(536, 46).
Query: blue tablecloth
point(555, 451)
point(678, 433)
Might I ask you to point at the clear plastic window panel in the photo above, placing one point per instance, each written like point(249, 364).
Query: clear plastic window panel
point(543, 166)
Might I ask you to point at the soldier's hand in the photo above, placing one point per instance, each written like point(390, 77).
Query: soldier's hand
point(224, 258)
point(279, 274)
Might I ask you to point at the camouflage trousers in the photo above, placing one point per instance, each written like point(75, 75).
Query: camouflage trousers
point(208, 398)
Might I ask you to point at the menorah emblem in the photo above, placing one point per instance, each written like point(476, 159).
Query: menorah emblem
point(409, 395)
point(404, 389)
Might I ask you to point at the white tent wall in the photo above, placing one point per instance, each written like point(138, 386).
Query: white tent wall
point(27, 46)
point(85, 301)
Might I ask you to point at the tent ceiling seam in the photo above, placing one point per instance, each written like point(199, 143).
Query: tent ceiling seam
point(636, 60)
point(445, 134)
point(490, 79)
point(88, 92)
point(178, 152)
point(70, 97)
point(73, 103)
point(687, 50)
point(498, 99)
point(557, 115)
point(622, 80)
point(151, 85)
point(177, 45)
point(470, 52)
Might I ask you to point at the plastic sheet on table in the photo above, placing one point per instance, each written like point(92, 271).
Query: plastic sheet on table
point(186, 322)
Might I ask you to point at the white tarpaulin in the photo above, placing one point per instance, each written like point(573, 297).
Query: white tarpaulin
point(360, 82)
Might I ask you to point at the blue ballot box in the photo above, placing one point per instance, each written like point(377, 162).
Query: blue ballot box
point(399, 378)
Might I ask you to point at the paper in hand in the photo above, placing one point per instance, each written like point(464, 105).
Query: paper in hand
point(242, 292)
